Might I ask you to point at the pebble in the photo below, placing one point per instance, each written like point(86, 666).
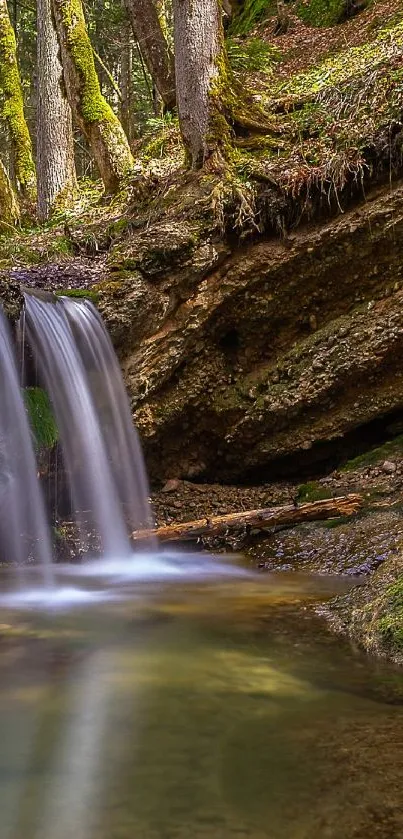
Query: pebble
point(389, 467)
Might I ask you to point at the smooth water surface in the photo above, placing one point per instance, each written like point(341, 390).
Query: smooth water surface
point(206, 712)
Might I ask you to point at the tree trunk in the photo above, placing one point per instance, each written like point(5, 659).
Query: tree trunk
point(289, 516)
point(212, 104)
point(13, 108)
point(9, 211)
point(92, 113)
point(143, 16)
point(55, 149)
point(126, 83)
point(201, 71)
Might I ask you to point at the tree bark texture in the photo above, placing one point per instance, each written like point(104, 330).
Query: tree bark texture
point(9, 211)
point(200, 67)
point(55, 149)
point(146, 24)
point(126, 84)
point(91, 111)
point(287, 516)
point(13, 108)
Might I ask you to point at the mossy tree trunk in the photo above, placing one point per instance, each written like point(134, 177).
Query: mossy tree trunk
point(13, 109)
point(9, 211)
point(95, 117)
point(56, 169)
point(145, 18)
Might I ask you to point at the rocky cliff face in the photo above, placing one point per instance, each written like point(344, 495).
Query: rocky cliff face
point(239, 360)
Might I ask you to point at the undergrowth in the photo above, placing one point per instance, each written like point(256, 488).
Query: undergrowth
point(390, 625)
point(252, 12)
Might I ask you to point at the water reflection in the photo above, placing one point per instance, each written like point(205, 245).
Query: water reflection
point(212, 712)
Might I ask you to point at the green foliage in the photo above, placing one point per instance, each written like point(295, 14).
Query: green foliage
point(321, 12)
point(313, 491)
point(41, 417)
point(251, 56)
point(252, 12)
point(390, 625)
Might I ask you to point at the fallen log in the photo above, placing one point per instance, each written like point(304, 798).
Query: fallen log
point(289, 515)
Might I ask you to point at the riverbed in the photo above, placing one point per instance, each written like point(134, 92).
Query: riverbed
point(218, 710)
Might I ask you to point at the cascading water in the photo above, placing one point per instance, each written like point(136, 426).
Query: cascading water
point(102, 458)
point(79, 381)
point(23, 528)
point(109, 396)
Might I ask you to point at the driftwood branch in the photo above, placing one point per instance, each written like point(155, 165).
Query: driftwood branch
point(289, 515)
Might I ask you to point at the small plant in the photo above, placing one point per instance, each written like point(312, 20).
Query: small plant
point(252, 56)
point(41, 417)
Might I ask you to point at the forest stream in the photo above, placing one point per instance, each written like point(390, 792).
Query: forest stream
point(201, 419)
point(204, 711)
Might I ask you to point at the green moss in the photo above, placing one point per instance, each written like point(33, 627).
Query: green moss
point(376, 455)
point(390, 625)
point(41, 417)
point(13, 107)
point(321, 12)
point(94, 107)
point(79, 293)
point(313, 491)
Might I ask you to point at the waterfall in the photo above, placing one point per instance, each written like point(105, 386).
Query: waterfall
point(23, 529)
point(110, 398)
point(101, 451)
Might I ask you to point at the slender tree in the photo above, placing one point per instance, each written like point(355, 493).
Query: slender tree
point(9, 211)
point(126, 83)
point(91, 111)
point(145, 20)
point(13, 108)
point(55, 149)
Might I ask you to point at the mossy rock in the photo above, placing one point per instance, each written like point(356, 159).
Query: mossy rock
point(11, 298)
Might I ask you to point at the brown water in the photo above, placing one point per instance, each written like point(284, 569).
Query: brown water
point(210, 712)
